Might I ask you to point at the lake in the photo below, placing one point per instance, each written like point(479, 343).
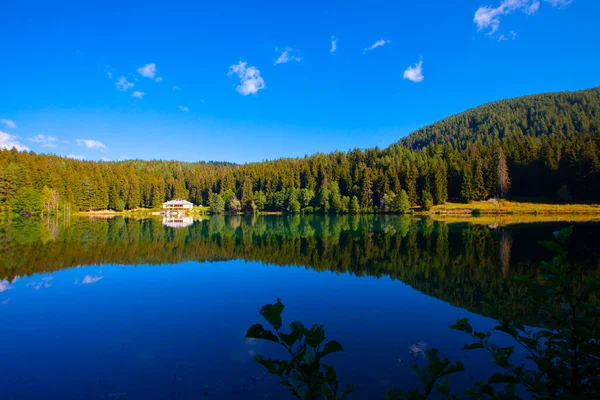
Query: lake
point(136, 309)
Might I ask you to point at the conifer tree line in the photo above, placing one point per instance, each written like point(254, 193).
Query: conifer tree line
point(542, 146)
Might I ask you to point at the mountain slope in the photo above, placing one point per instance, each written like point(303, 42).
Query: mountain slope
point(562, 114)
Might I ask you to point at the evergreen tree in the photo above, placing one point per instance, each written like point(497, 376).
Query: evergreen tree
point(401, 203)
point(217, 204)
point(479, 192)
point(354, 205)
point(27, 201)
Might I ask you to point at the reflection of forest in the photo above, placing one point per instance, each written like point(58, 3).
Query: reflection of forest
point(462, 264)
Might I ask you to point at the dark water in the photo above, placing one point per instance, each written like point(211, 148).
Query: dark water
point(133, 309)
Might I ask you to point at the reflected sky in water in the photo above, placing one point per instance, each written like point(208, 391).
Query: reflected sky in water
point(176, 331)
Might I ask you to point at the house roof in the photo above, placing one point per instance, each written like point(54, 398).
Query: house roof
point(177, 202)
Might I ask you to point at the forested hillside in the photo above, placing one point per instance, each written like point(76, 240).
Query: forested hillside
point(561, 114)
point(536, 146)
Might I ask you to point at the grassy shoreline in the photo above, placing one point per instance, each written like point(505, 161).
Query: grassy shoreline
point(490, 207)
point(505, 207)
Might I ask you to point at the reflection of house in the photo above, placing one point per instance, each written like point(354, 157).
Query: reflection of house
point(175, 205)
point(178, 222)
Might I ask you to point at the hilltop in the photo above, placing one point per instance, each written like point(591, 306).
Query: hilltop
point(560, 114)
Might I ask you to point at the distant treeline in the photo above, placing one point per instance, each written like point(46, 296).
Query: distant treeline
point(459, 263)
point(537, 146)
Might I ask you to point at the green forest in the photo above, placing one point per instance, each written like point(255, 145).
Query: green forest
point(542, 146)
point(462, 264)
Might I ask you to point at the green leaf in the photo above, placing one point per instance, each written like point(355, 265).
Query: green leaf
point(331, 347)
point(330, 374)
point(507, 328)
point(258, 332)
point(290, 338)
point(315, 336)
point(502, 378)
point(297, 326)
point(309, 356)
point(349, 389)
point(462, 324)
point(563, 235)
point(553, 246)
point(272, 313)
point(268, 364)
point(473, 346)
point(452, 369)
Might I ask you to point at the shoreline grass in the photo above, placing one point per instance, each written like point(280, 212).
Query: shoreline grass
point(505, 207)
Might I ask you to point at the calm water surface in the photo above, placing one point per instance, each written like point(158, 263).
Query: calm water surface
point(133, 309)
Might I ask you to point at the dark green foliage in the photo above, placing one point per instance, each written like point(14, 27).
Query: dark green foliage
point(354, 206)
point(537, 146)
point(387, 247)
point(563, 113)
point(426, 201)
point(294, 207)
point(304, 373)
point(563, 355)
point(217, 204)
point(27, 202)
point(401, 203)
point(429, 375)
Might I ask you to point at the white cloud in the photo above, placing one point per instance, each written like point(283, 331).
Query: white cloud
point(5, 301)
point(5, 285)
point(88, 279)
point(286, 56)
point(559, 3)
point(487, 18)
point(106, 159)
point(333, 44)
point(9, 141)
point(123, 84)
point(415, 73)
point(379, 43)
point(184, 108)
point(8, 123)
point(90, 144)
point(176, 88)
point(512, 35)
point(74, 157)
point(45, 283)
point(109, 74)
point(137, 94)
point(250, 80)
point(43, 140)
point(149, 71)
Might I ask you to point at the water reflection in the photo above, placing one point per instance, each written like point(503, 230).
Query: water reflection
point(43, 283)
point(178, 222)
point(5, 285)
point(460, 263)
point(88, 279)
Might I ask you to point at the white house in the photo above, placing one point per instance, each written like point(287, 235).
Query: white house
point(178, 204)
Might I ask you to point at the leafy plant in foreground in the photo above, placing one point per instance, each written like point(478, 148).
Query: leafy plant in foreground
point(303, 373)
point(564, 354)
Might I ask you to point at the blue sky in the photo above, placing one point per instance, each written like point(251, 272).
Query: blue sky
point(241, 82)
